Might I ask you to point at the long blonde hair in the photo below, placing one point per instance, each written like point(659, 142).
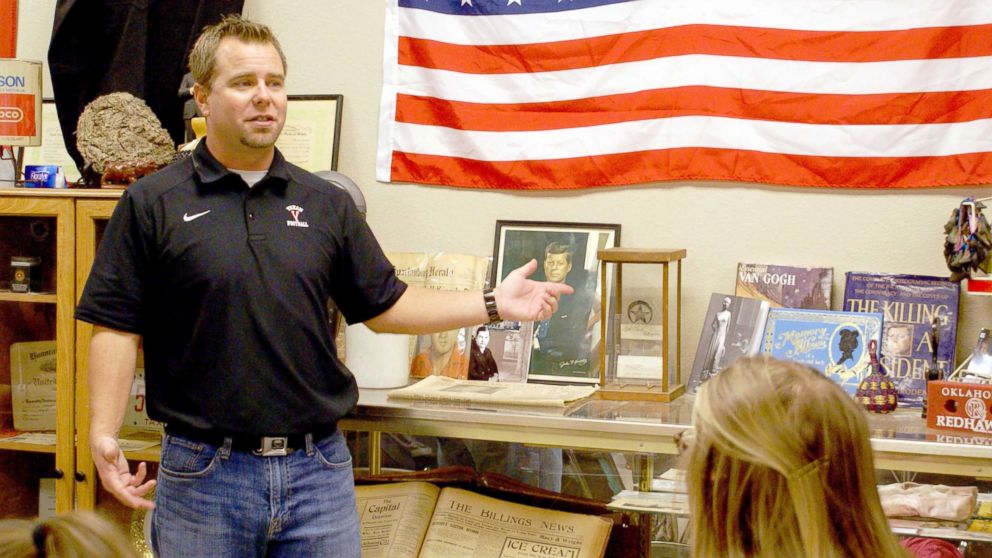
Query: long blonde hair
point(780, 465)
point(74, 534)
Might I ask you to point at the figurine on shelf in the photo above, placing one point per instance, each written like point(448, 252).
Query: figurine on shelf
point(933, 370)
point(877, 392)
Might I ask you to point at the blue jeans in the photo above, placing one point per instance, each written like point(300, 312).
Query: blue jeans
point(217, 503)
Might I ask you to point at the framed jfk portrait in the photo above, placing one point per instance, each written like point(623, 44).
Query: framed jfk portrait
point(564, 348)
point(312, 132)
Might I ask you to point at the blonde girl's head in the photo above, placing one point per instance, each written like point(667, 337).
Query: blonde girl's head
point(780, 465)
point(73, 534)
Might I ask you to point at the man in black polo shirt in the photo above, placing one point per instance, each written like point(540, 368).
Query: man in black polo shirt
point(223, 264)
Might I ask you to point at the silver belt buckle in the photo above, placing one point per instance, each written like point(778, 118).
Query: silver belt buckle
point(273, 446)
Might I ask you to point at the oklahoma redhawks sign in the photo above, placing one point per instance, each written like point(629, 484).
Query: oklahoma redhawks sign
point(959, 406)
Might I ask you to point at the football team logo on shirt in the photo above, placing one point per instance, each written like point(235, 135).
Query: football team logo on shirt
point(294, 212)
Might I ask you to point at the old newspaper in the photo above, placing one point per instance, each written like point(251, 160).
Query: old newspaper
point(440, 388)
point(441, 270)
point(395, 517)
point(448, 271)
point(403, 520)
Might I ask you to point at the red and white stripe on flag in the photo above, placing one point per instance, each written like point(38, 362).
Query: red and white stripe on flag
point(546, 94)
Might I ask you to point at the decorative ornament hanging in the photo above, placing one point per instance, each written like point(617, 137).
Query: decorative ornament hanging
point(877, 392)
point(967, 241)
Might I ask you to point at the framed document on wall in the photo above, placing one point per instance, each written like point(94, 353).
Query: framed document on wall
point(52, 150)
point(312, 132)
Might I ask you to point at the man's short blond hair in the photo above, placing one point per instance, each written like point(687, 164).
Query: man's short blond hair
point(203, 57)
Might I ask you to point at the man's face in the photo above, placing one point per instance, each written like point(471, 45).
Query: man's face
point(556, 267)
point(482, 338)
point(246, 104)
point(898, 341)
point(443, 341)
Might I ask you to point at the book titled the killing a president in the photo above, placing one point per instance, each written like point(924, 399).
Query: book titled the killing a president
point(786, 286)
point(910, 303)
point(833, 342)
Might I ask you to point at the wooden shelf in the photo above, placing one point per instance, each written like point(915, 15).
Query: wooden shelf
point(151, 454)
point(43, 298)
point(34, 448)
point(62, 193)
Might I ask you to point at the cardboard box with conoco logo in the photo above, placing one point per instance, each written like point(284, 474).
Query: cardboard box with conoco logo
point(20, 102)
point(959, 406)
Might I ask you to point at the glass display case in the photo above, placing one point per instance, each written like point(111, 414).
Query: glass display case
point(608, 446)
point(651, 372)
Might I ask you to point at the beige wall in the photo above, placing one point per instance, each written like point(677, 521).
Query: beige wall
point(335, 46)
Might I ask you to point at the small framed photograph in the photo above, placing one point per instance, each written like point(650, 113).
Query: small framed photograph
point(500, 352)
point(312, 132)
point(564, 348)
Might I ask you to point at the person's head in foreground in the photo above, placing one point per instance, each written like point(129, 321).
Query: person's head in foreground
point(779, 465)
point(74, 534)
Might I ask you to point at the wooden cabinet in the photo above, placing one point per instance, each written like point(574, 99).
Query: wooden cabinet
point(41, 227)
point(42, 224)
point(91, 221)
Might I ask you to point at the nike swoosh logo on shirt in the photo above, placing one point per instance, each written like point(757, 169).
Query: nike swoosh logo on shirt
point(187, 217)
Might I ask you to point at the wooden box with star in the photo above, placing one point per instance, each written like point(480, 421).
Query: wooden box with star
point(642, 328)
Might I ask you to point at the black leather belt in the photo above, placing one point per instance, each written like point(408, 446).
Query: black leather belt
point(268, 446)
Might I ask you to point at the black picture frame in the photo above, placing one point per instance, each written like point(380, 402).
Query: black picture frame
point(311, 137)
point(565, 348)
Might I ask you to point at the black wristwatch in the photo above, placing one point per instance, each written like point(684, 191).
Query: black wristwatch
point(490, 299)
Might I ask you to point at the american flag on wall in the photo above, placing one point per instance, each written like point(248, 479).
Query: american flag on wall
point(545, 94)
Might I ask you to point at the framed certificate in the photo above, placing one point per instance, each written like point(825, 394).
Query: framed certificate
point(312, 132)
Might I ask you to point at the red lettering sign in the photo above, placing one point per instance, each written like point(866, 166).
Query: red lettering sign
point(959, 406)
point(17, 117)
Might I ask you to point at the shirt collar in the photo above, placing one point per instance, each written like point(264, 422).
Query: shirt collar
point(209, 169)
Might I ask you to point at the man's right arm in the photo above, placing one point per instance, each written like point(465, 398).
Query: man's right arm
point(113, 355)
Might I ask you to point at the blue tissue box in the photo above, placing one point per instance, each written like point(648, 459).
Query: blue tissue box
point(43, 176)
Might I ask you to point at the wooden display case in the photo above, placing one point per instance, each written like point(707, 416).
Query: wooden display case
point(41, 223)
point(37, 226)
point(666, 384)
point(91, 221)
